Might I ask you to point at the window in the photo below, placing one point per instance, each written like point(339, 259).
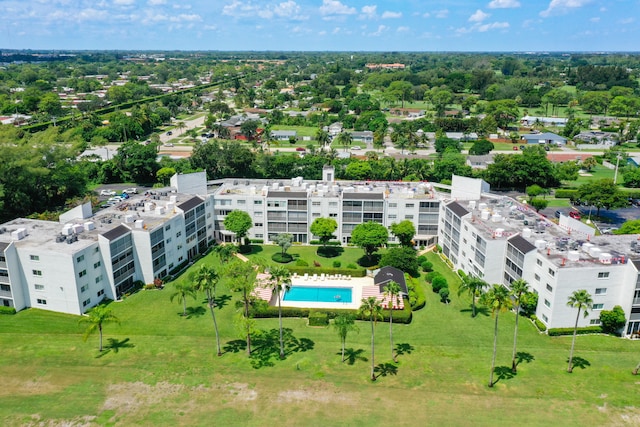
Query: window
point(545, 318)
point(168, 240)
point(178, 234)
point(549, 288)
point(393, 216)
point(80, 258)
point(84, 288)
point(547, 303)
point(333, 215)
point(537, 277)
point(100, 293)
point(37, 272)
point(96, 250)
point(408, 217)
point(601, 291)
point(2, 258)
point(97, 264)
point(179, 247)
point(82, 273)
point(597, 306)
point(603, 275)
point(539, 262)
point(551, 272)
point(39, 287)
point(393, 205)
point(259, 236)
point(315, 203)
point(34, 257)
point(98, 279)
point(86, 302)
point(257, 202)
point(168, 227)
point(41, 301)
point(242, 202)
point(594, 321)
point(333, 204)
point(258, 224)
point(409, 205)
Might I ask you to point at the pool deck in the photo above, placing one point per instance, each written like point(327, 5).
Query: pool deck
point(356, 283)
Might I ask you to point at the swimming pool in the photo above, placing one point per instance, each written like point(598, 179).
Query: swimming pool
point(318, 294)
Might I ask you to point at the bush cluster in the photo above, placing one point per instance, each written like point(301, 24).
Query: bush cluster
point(562, 193)
point(329, 243)
point(264, 310)
point(417, 298)
point(541, 326)
point(318, 318)
point(7, 310)
point(301, 263)
point(554, 332)
point(358, 272)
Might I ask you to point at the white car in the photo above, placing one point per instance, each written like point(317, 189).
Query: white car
point(132, 190)
point(357, 147)
point(107, 193)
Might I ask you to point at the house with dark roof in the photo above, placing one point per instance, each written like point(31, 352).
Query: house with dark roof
point(544, 138)
point(388, 274)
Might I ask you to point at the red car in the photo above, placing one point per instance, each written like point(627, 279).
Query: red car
point(301, 149)
point(574, 215)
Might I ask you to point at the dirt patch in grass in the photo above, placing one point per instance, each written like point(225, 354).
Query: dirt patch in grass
point(129, 397)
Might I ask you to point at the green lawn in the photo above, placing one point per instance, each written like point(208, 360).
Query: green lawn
point(308, 253)
point(301, 130)
point(161, 369)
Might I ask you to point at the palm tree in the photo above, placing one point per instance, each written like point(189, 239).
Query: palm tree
point(183, 290)
point(497, 299)
point(473, 286)
point(280, 278)
point(242, 277)
point(582, 301)
point(181, 126)
point(206, 279)
point(345, 139)
point(519, 288)
point(343, 323)
point(96, 317)
point(371, 308)
point(392, 293)
point(323, 137)
point(225, 252)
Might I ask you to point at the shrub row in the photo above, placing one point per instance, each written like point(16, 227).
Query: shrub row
point(329, 243)
point(554, 332)
point(7, 310)
point(262, 310)
point(357, 272)
point(562, 193)
point(257, 241)
point(417, 297)
point(318, 318)
point(541, 326)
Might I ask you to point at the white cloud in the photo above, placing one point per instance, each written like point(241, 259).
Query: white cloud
point(156, 2)
point(182, 6)
point(595, 19)
point(626, 21)
point(381, 29)
point(558, 7)
point(391, 15)
point(493, 26)
point(92, 15)
point(426, 15)
point(441, 14)
point(288, 9)
point(403, 29)
point(322, 33)
point(369, 11)
point(478, 16)
point(335, 7)
point(503, 4)
point(124, 2)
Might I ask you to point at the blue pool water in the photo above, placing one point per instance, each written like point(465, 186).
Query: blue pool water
point(318, 294)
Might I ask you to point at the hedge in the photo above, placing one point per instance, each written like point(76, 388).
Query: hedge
point(263, 310)
point(318, 318)
point(301, 270)
point(417, 296)
point(7, 310)
point(554, 332)
point(541, 326)
point(565, 193)
point(329, 243)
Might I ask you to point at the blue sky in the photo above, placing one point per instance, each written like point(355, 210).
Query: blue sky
point(317, 25)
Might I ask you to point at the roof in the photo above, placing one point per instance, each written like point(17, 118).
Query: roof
point(120, 230)
point(457, 209)
point(190, 204)
point(362, 196)
point(522, 244)
point(546, 136)
point(288, 194)
point(388, 274)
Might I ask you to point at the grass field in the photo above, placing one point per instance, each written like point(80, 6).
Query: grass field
point(160, 369)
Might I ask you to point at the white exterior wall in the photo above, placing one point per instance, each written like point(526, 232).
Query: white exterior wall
point(19, 290)
point(142, 254)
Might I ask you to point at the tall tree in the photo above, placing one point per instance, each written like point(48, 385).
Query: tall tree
point(497, 300)
point(345, 139)
point(343, 324)
point(369, 236)
point(371, 308)
point(392, 293)
point(241, 276)
point(96, 317)
point(474, 287)
point(280, 278)
point(183, 289)
point(284, 240)
point(225, 252)
point(206, 279)
point(581, 300)
point(519, 289)
point(404, 231)
point(324, 229)
point(238, 222)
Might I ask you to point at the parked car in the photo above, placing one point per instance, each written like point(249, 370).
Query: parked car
point(168, 144)
point(515, 148)
point(300, 149)
point(107, 193)
point(357, 147)
point(522, 147)
point(131, 190)
point(574, 215)
point(169, 133)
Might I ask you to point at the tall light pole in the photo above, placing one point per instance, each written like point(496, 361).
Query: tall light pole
point(615, 176)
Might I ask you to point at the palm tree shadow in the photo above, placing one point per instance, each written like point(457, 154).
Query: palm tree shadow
point(195, 312)
point(479, 310)
point(221, 301)
point(352, 355)
point(525, 357)
point(503, 373)
point(384, 369)
point(404, 348)
point(114, 345)
point(579, 362)
point(235, 346)
point(266, 346)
